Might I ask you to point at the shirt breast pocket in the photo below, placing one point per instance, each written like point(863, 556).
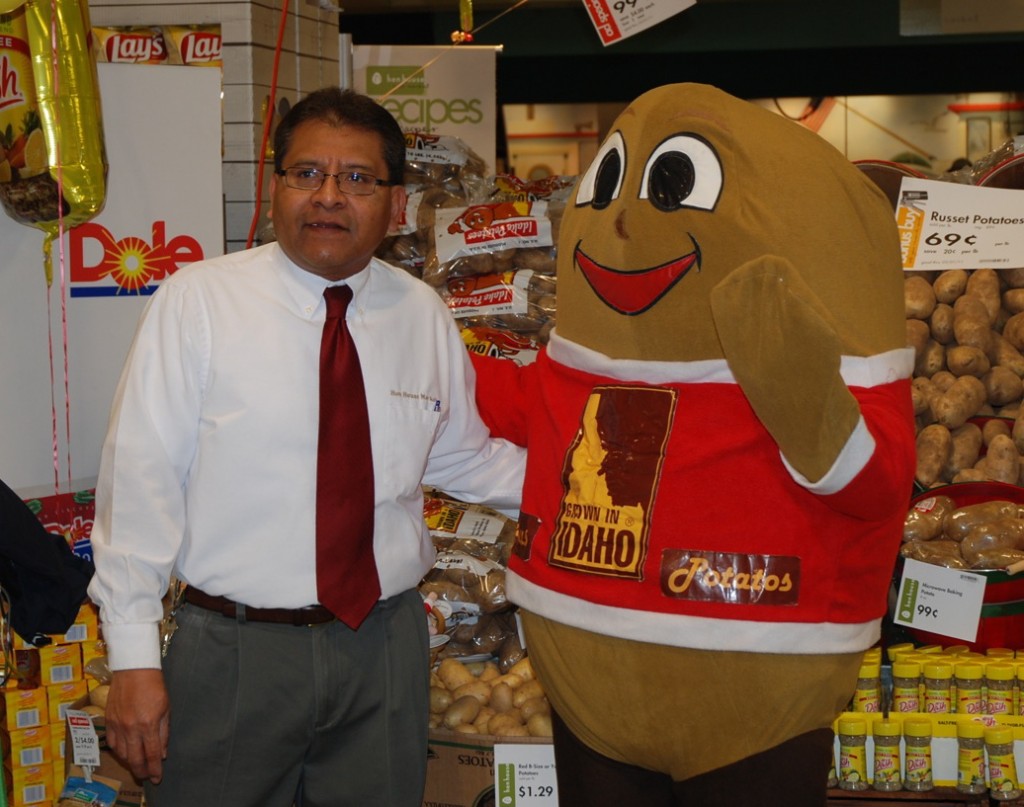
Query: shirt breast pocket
point(412, 426)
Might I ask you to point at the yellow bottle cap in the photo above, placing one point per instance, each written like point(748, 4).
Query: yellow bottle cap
point(852, 725)
point(893, 651)
point(956, 649)
point(906, 669)
point(938, 669)
point(999, 652)
point(886, 728)
point(1000, 671)
point(969, 729)
point(998, 736)
point(966, 670)
point(870, 669)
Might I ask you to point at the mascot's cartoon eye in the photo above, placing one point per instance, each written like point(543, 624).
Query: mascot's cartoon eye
point(684, 171)
point(601, 184)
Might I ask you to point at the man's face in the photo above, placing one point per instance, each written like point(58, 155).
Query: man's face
point(327, 232)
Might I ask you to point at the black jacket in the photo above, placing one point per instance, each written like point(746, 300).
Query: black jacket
point(44, 580)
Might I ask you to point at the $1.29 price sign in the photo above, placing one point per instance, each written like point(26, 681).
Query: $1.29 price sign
point(524, 775)
point(940, 600)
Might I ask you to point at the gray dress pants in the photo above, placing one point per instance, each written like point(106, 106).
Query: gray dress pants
point(268, 715)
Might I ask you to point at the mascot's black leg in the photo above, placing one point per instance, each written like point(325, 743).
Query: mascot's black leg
point(793, 774)
point(588, 779)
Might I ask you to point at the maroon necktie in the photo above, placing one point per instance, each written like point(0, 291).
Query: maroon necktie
point(346, 573)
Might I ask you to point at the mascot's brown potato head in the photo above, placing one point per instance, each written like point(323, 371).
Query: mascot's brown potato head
point(721, 455)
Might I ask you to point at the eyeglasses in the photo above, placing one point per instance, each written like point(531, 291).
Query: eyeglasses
point(356, 183)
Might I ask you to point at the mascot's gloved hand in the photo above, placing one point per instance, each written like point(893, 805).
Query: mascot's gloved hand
point(781, 345)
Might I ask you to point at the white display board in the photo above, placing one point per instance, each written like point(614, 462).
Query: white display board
point(164, 208)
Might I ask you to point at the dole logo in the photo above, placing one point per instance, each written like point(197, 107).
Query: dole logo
point(199, 46)
point(130, 263)
point(135, 48)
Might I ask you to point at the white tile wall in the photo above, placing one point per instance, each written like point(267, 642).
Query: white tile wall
point(309, 60)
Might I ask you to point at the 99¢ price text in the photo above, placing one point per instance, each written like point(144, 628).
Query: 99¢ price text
point(928, 612)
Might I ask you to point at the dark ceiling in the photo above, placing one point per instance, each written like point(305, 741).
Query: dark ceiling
point(750, 48)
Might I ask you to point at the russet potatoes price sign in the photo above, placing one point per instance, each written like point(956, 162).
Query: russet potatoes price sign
point(946, 225)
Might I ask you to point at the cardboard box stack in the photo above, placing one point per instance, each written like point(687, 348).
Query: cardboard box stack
point(32, 708)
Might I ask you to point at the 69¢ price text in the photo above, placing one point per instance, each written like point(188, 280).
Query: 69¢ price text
point(950, 240)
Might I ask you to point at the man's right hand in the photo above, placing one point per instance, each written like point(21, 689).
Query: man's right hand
point(137, 721)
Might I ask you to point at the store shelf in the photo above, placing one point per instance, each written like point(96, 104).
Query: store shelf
point(939, 797)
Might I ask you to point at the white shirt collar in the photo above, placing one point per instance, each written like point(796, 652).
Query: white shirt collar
point(307, 289)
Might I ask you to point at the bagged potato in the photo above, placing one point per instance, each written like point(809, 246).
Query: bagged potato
point(483, 239)
point(998, 535)
point(515, 302)
point(940, 552)
point(440, 172)
point(964, 519)
point(473, 543)
point(926, 519)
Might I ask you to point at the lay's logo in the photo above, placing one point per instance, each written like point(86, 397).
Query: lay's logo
point(126, 266)
point(135, 48)
point(200, 46)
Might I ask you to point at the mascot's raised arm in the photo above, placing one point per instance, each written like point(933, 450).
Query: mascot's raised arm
point(721, 455)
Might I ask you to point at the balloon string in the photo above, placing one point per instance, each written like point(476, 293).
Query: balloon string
point(261, 155)
point(59, 165)
point(48, 269)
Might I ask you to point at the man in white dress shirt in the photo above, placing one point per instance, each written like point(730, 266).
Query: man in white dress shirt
point(209, 475)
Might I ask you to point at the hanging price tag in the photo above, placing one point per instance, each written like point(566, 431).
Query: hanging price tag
point(614, 20)
point(85, 744)
point(940, 600)
point(524, 775)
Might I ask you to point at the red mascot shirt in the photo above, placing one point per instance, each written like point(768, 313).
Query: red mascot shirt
point(656, 507)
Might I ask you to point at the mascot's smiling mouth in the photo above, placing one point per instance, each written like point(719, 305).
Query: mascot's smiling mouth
point(634, 292)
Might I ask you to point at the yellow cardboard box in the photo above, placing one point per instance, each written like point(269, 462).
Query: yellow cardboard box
point(59, 777)
point(23, 708)
point(61, 696)
point(57, 744)
point(92, 649)
point(60, 663)
point(32, 786)
point(27, 748)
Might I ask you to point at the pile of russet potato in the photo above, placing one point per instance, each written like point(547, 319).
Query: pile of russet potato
point(967, 331)
point(477, 698)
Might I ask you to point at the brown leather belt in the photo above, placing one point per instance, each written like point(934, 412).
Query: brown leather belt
point(310, 615)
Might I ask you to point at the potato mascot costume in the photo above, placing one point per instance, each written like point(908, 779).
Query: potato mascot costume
point(721, 455)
